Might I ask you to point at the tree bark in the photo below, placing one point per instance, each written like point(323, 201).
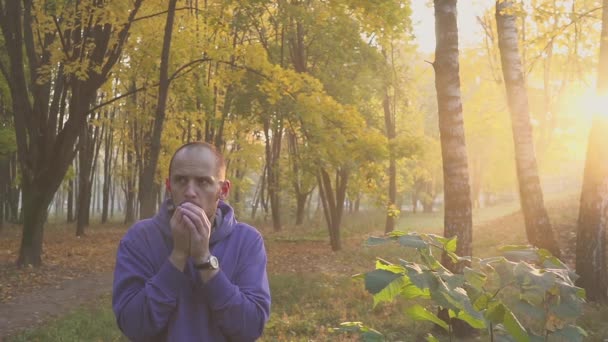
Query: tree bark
point(591, 263)
point(70, 209)
point(332, 199)
point(458, 220)
point(273, 153)
point(108, 149)
point(147, 198)
point(457, 193)
point(391, 134)
point(538, 226)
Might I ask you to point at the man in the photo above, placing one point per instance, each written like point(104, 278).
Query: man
point(192, 272)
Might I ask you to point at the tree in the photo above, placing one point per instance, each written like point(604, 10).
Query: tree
point(457, 194)
point(593, 213)
point(69, 53)
point(538, 226)
point(147, 188)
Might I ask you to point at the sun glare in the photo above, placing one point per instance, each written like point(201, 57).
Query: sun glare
point(590, 104)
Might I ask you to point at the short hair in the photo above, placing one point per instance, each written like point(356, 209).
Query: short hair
point(221, 163)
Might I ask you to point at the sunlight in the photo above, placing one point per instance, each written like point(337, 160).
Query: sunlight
point(590, 104)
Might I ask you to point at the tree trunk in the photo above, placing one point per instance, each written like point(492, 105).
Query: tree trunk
point(147, 198)
point(130, 190)
point(13, 193)
point(259, 193)
point(591, 264)
point(391, 134)
point(35, 206)
point(538, 226)
point(458, 221)
point(300, 208)
point(107, 170)
point(88, 148)
point(84, 185)
point(70, 214)
point(273, 152)
point(333, 203)
point(457, 194)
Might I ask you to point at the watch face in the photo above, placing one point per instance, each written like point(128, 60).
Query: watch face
point(214, 262)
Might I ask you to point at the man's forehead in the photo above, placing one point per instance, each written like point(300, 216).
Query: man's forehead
point(197, 152)
point(199, 158)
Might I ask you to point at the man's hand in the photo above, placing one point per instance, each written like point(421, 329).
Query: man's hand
point(181, 239)
point(200, 230)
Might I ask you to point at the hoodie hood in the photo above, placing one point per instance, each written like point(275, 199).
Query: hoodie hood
point(223, 226)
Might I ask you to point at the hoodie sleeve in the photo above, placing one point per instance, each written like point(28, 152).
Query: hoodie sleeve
point(143, 300)
point(241, 308)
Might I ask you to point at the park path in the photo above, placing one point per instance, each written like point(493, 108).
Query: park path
point(32, 309)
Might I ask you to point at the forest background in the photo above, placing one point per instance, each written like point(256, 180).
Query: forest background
point(327, 113)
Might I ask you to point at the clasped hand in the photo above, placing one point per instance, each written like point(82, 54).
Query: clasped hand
point(191, 230)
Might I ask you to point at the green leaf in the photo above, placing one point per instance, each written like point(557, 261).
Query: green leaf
point(475, 278)
point(411, 291)
point(422, 279)
point(413, 241)
point(522, 255)
point(529, 312)
point(453, 280)
point(392, 290)
point(375, 241)
point(566, 309)
point(504, 269)
point(384, 265)
point(372, 336)
point(449, 244)
point(377, 280)
point(481, 302)
point(430, 338)
point(454, 299)
point(495, 312)
point(514, 327)
point(476, 322)
point(419, 313)
point(429, 259)
point(570, 333)
point(397, 233)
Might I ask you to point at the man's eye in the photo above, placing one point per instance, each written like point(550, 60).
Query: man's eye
point(181, 180)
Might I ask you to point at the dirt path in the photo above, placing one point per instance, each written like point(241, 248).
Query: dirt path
point(32, 309)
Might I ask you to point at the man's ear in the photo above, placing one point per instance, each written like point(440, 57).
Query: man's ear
point(224, 189)
point(168, 185)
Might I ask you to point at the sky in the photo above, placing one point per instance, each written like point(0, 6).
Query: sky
point(423, 18)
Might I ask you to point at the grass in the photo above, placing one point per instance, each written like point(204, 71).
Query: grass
point(312, 288)
point(91, 322)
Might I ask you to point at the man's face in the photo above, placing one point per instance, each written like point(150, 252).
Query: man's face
point(194, 178)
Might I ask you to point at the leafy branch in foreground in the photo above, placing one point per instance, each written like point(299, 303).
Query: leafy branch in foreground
point(526, 294)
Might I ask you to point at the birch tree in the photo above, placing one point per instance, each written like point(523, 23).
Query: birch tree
point(538, 226)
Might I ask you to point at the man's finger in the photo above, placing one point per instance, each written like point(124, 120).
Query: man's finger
point(196, 219)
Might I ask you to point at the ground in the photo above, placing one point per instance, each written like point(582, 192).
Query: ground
point(79, 270)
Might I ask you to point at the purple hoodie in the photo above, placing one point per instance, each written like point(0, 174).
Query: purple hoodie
point(154, 301)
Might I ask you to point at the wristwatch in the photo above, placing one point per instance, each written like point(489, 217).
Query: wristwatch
point(211, 264)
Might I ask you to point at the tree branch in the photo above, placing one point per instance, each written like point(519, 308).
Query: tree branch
point(61, 39)
point(164, 12)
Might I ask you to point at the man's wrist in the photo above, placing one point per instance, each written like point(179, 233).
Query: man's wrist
point(178, 260)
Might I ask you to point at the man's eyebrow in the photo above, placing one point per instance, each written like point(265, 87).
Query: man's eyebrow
point(205, 177)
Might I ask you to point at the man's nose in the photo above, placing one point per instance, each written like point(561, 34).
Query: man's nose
point(190, 189)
